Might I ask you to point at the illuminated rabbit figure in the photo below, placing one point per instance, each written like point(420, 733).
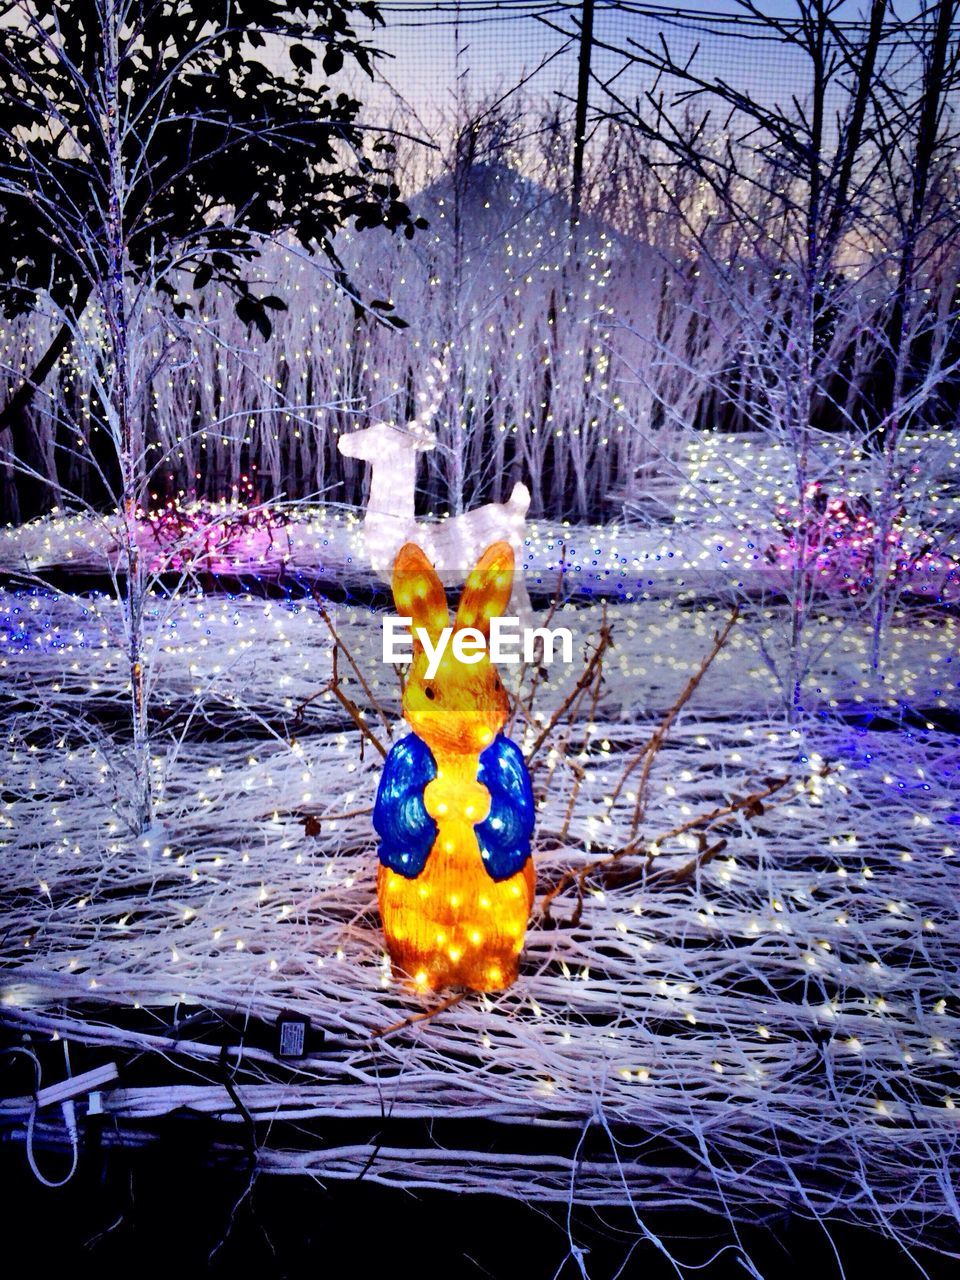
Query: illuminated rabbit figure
point(454, 809)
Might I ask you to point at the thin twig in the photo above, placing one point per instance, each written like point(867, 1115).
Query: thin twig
point(538, 671)
point(579, 773)
point(585, 680)
point(648, 753)
point(351, 707)
point(321, 609)
point(678, 875)
point(751, 805)
point(420, 1017)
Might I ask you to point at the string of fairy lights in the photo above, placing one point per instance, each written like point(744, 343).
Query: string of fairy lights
point(228, 900)
point(586, 411)
point(819, 935)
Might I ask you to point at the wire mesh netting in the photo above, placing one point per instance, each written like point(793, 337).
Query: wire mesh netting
point(439, 55)
point(737, 989)
point(778, 1029)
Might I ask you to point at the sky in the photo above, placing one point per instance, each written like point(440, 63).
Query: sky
point(477, 49)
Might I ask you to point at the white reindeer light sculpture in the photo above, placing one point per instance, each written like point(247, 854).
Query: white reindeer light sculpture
point(454, 544)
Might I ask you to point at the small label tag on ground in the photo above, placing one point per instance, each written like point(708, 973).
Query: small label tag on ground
point(292, 1031)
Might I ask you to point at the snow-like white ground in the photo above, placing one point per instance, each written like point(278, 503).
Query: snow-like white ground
point(621, 561)
point(327, 542)
point(780, 1028)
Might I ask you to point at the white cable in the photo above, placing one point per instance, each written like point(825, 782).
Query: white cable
point(69, 1110)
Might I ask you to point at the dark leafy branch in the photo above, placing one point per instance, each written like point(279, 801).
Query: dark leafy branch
point(223, 150)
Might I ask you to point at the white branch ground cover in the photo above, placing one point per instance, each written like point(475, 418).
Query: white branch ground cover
point(780, 1031)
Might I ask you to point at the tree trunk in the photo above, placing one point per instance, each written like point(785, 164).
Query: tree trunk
point(899, 342)
point(128, 431)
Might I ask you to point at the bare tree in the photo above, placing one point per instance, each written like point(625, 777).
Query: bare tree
point(917, 132)
point(124, 182)
point(794, 207)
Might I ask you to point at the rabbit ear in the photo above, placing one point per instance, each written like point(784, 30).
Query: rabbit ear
point(418, 592)
point(486, 593)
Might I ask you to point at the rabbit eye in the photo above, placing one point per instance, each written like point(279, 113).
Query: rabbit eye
point(429, 693)
point(497, 685)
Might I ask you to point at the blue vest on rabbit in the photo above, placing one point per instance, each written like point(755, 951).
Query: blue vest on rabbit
point(407, 831)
